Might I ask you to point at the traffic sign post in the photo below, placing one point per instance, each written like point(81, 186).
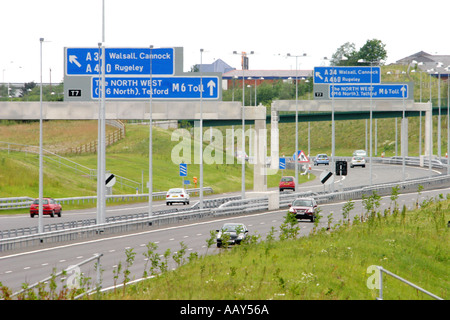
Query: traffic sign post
point(282, 163)
point(375, 91)
point(301, 157)
point(128, 75)
point(386, 91)
point(161, 88)
point(110, 180)
point(120, 61)
point(183, 169)
point(183, 172)
point(341, 75)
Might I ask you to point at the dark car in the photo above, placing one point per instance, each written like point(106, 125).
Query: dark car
point(49, 207)
point(304, 208)
point(237, 232)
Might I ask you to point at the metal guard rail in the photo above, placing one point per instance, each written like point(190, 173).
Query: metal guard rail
point(233, 207)
point(208, 203)
point(381, 270)
point(25, 202)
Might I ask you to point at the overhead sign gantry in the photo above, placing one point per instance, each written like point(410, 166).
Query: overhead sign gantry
point(128, 75)
point(356, 82)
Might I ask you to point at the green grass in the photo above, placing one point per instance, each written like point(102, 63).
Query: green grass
point(322, 266)
point(19, 172)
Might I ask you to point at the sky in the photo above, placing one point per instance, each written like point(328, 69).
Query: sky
point(270, 29)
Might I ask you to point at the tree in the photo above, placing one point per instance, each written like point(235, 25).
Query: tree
point(348, 51)
point(372, 50)
point(27, 87)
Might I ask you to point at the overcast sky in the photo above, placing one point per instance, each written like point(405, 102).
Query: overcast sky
point(269, 28)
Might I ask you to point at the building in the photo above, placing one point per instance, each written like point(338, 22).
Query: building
point(433, 64)
point(217, 66)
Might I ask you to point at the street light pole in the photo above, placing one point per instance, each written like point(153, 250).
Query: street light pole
point(296, 118)
point(41, 175)
point(243, 55)
point(201, 130)
point(150, 148)
point(370, 118)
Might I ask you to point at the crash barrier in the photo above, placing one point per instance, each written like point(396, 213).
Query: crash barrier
point(409, 161)
point(25, 202)
point(230, 208)
point(208, 203)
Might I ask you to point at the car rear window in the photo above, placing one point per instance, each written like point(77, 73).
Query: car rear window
point(287, 179)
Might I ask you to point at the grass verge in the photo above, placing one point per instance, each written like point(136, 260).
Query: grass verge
point(326, 265)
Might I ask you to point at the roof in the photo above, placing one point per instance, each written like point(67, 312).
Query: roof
point(217, 66)
point(428, 61)
point(268, 74)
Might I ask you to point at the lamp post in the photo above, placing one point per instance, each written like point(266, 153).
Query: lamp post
point(41, 176)
point(243, 57)
point(420, 100)
point(370, 119)
point(101, 161)
point(431, 130)
point(333, 127)
point(296, 117)
point(201, 130)
point(448, 119)
point(150, 147)
point(439, 65)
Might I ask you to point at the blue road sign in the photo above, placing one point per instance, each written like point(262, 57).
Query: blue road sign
point(163, 87)
point(183, 169)
point(282, 163)
point(380, 91)
point(339, 75)
point(120, 61)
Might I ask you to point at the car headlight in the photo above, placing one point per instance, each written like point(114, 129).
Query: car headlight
point(240, 236)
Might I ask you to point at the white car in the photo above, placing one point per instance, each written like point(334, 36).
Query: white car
point(239, 156)
point(358, 161)
point(177, 195)
point(360, 153)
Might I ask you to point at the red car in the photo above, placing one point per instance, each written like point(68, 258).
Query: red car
point(287, 183)
point(49, 206)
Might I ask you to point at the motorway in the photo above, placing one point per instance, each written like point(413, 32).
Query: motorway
point(36, 263)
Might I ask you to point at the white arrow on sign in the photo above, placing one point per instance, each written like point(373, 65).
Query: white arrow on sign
point(73, 59)
point(403, 89)
point(211, 85)
point(319, 76)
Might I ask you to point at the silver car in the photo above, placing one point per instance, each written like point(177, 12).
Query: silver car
point(304, 208)
point(177, 195)
point(358, 161)
point(360, 153)
point(237, 232)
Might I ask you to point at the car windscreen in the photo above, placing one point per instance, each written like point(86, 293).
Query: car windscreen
point(232, 227)
point(303, 203)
